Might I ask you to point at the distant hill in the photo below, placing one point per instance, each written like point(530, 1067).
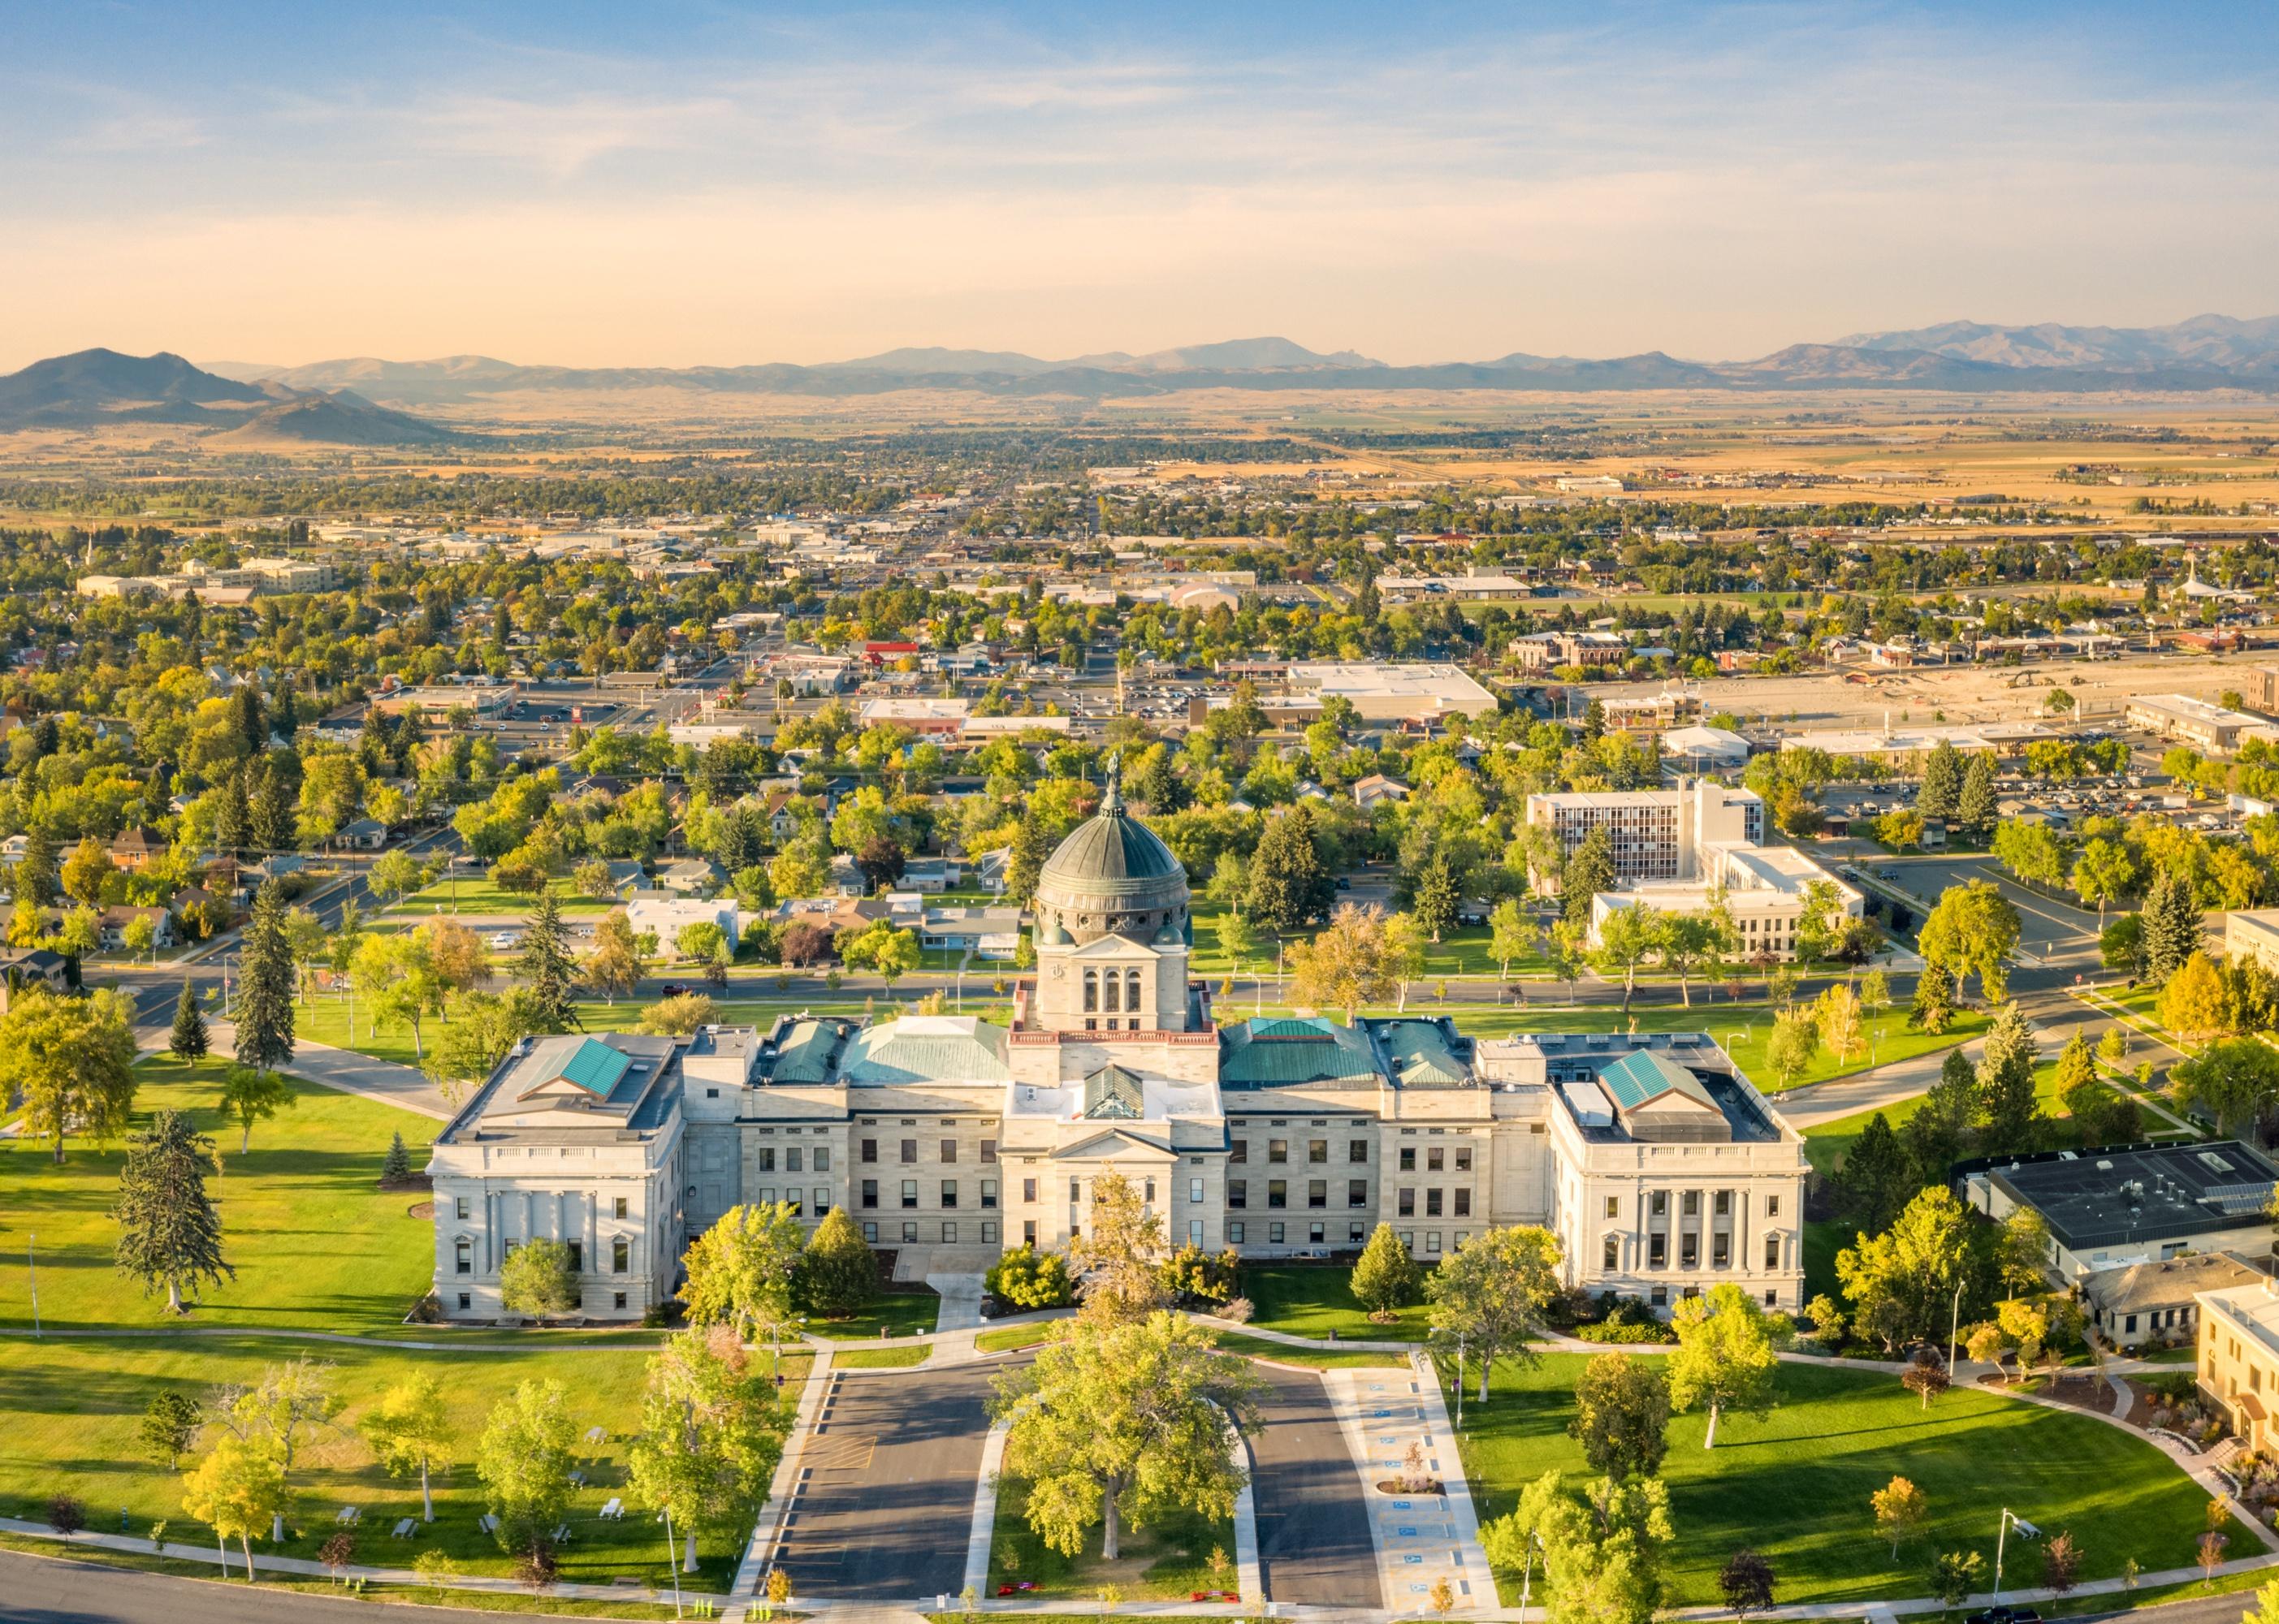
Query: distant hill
point(2205, 353)
point(94, 387)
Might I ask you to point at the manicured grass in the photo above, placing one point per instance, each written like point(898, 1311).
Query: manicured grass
point(1166, 1560)
point(475, 894)
point(70, 1413)
point(317, 1244)
point(882, 1359)
point(1015, 1337)
point(1321, 1358)
point(1795, 1486)
point(1314, 1299)
point(896, 1313)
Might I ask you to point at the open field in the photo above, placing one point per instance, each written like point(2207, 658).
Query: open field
point(475, 894)
point(70, 1412)
point(1795, 1485)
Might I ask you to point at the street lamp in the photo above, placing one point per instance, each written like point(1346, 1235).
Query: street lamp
point(2026, 1530)
point(1953, 1326)
point(1527, 1572)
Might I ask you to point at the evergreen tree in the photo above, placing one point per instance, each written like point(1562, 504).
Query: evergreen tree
point(273, 828)
point(2172, 924)
point(265, 992)
point(838, 1273)
point(546, 965)
point(169, 1233)
point(246, 720)
point(1877, 1176)
point(397, 1168)
point(189, 1042)
point(1286, 879)
point(1934, 1002)
point(1942, 781)
point(1436, 895)
point(1936, 1135)
point(1588, 871)
point(233, 818)
point(35, 871)
point(1031, 847)
point(1974, 807)
point(2009, 1114)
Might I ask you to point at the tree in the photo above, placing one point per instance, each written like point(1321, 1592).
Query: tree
point(1028, 1278)
point(1346, 965)
point(2237, 1082)
point(679, 1016)
point(240, 1488)
point(1404, 959)
point(1493, 1290)
point(1031, 845)
point(1746, 1583)
point(410, 1431)
point(1288, 886)
point(1972, 928)
point(293, 1399)
point(481, 1030)
point(1566, 949)
point(1621, 1415)
point(742, 1271)
point(2170, 921)
point(1726, 1354)
point(188, 1040)
point(394, 875)
point(1384, 1277)
point(1877, 1176)
point(1437, 898)
point(2192, 1004)
point(1955, 1575)
point(884, 948)
point(1124, 1421)
point(838, 1273)
point(1975, 805)
point(1837, 1012)
point(253, 1097)
point(1115, 1253)
point(2120, 944)
point(2022, 1250)
point(1901, 1512)
point(170, 1426)
point(72, 1062)
point(2103, 874)
point(545, 964)
point(1237, 941)
point(86, 869)
point(1791, 1045)
point(396, 1168)
point(265, 988)
point(524, 1460)
point(1628, 936)
point(1942, 781)
point(1511, 935)
point(1588, 871)
point(2061, 1563)
point(712, 1434)
point(1933, 1008)
point(1925, 1377)
point(536, 1280)
point(2009, 1111)
point(1603, 1547)
point(1900, 1281)
point(34, 878)
point(1687, 943)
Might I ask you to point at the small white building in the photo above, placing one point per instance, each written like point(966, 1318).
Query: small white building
point(667, 917)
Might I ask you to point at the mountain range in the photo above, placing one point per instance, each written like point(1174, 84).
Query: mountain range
point(364, 401)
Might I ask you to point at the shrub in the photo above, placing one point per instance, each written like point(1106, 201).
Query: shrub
point(1618, 1331)
point(1237, 1309)
point(1192, 1274)
point(65, 1515)
point(1028, 1278)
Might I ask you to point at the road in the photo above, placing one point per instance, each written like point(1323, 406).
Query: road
point(42, 1590)
point(1314, 1542)
point(887, 1502)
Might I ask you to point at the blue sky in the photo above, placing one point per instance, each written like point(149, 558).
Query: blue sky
point(593, 184)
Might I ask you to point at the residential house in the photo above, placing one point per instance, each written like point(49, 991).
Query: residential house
point(2157, 1303)
point(1376, 789)
point(692, 876)
point(115, 920)
point(367, 834)
point(666, 917)
point(136, 846)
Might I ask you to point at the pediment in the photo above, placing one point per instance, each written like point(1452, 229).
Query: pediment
point(1113, 946)
point(1117, 1144)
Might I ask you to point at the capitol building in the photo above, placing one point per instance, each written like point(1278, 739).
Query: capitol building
point(1659, 1167)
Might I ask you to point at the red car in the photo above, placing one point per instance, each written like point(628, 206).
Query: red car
point(672, 989)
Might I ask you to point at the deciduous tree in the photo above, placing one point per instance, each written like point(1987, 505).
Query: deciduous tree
point(72, 1062)
point(1726, 1354)
point(1621, 1415)
point(742, 1271)
point(1901, 1512)
point(252, 1097)
point(536, 1280)
point(524, 1460)
point(410, 1431)
point(1385, 1277)
point(1493, 1290)
point(711, 1436)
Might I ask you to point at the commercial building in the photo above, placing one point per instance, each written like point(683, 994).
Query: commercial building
point(1657, 834)
point(945, 718)
point(2253, 933)
point(1424, 691)
point(1767, 892)
point(1663, 1170)
point(2185, 720)
point(2113, 1208)
point(2155, 1305)
point(2239, 1362)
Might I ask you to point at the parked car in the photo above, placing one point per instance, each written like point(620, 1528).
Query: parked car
point(503, 938)
point(672, 989)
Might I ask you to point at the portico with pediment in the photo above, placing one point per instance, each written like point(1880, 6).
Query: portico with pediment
point(1166, 1135)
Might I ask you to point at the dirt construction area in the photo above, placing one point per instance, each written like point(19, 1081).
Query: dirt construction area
point(2100, 688)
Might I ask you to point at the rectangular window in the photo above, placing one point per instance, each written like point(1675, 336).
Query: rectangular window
point(1028, 1231)
point(1277, 1151)
point(1689, 1250)
point(948, 1234)
point(1355, 1234)
point(577, 1257)
point(1659, 1296)
point(910, 1150)
point(1148, 1193)
point(871, 1234)
point(988, 1193)
point(822, 1158)
point(1614, 1208)
point(621, 1255)
point(1432, 1202)
point(1409, 1159)
point(460, 1206)
point(1237, 1192)
point(1772, 1206)
point(1463, 1199)
point(909, 1231)
point(621, 1206)
point(1657, 1204)
point(1194, 1192)
point(1657, 1250)
point(792, 1160)
point(1772, 1251)
point(1357, 1192)
point(1278, 1193)
point(463, 1257)
point(1431, 1241)
point(1689, 1204)
point(1318, 1153)
point(910, 1194)
point(1722, 1204)
point(1234, 1234)
point(1274, 1234)
point(1316, 1234)
point(988, 1231)
point(1076, 1191)
point(1029, 1190)
point(948, 1152)
point(822, 1205)
point(869, 1152)
point(1318, 1192)
point(1194, 1232)
point(1241, 1150)
point(466, 1299)
point(1610, 1253)
point(1433, 1158)
point(1405, 1203)
point(767, 1158)
point(1463, 1158)
point(1721, 1255)
point(988, 1153)
point(869, 1193)
point(948, 1193)
point(1357, 1152)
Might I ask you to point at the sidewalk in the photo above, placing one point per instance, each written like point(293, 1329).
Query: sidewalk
point(405, 1087)
point(1877, 1089)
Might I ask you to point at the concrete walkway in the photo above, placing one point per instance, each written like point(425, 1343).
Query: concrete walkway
point(407, 1088)
point(961, 1301)
point(1420, 1538)
point(1877, 1089)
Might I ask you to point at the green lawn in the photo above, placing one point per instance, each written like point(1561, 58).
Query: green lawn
point(70, 1412)
point(882, 1359)
point(1795, 1486)
point(316, 1242)
point(476, 894)
point(897, 1313)
point(1015, 1337)
point(1319, 1358)
point(1164, 1561)
point(1303, 1299)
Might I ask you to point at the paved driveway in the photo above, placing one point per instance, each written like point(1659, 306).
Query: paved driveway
point(887, 1503)
point(1314, 1542)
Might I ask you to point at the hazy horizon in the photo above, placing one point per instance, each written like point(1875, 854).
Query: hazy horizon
point(723, 185)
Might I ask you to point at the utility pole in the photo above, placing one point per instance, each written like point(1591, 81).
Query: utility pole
point(32, 1240)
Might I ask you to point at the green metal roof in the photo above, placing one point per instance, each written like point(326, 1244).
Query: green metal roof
point(1108, 849)
point(928, 1049)
point(1265, 1054)
point(807, 1051)
point(1644, 1075)
point(1420, 1056)
point(593, 1066)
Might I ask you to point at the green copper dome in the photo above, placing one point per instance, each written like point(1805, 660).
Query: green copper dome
point(1111, 849)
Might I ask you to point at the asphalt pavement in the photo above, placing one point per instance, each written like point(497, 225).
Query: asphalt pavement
point(48, 1590)
point(1313, 1541)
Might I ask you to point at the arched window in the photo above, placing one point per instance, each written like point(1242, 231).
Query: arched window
point(1132, 990)
point(1112, 1004)
point(1091, 990)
